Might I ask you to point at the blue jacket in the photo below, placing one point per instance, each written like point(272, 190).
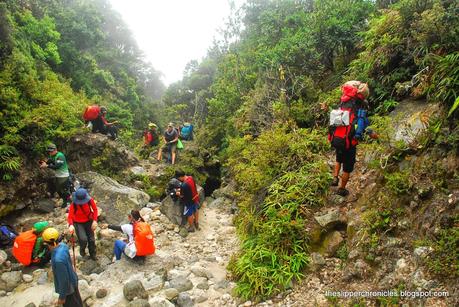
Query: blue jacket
point(65, 278)
point(362, 124)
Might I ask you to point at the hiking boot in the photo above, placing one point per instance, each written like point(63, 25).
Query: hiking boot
point(335, 182)
point(191, 229)
point(196, 225)
point(93, 257)
point(342, 192)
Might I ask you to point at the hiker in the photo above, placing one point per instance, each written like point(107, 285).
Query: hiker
point(101, 125)
point(28, 247)
point(7, 236)
point(170, 139)
point(61, 181)
point(151, 135)
point(139, 242)
point(186, 132)
point(348, 125)
point(65, 278)
point(190, 197)
point(82, 219)
point(173, 190)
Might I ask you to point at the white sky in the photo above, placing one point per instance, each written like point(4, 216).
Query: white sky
point(173, 32)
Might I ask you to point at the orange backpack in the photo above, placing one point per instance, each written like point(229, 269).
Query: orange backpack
point(23, 247)
point(144, 240)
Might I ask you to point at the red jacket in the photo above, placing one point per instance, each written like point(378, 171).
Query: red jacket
point(148, 137)
point(82, 213)
point(194, 190)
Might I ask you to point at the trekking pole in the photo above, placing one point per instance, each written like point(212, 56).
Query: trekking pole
point(72, 239)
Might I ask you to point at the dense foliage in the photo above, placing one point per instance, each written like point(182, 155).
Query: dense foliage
point(56, 57)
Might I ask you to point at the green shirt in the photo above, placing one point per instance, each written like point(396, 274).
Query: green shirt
point(59, 165)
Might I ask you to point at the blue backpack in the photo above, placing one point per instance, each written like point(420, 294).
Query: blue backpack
point(186, 131)
point(7, 235)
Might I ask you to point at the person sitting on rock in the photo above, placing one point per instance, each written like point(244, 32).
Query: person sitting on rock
point(170, 138)
point(190, 197)
point(28, 246)
point(82, 218)
point(61, 182)
point(138, 243)
point(65, 278)
point(101, 125)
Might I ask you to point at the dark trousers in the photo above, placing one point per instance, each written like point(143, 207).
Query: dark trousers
point(85, 238)
point(73, 300)
point(60, 185)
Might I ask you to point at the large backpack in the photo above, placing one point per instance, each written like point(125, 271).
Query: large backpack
point(91, 113)
point(144, 240)
point(23, 247)
point(7, 235)
point(342, 125)
point(186, 131)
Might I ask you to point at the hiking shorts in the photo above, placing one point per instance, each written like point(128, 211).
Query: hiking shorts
point(190, 209)
point(172, 148)
point(347, 158)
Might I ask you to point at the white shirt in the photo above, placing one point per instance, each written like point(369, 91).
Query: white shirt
point(129, 230)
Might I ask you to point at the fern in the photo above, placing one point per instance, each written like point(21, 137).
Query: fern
point(10, 162)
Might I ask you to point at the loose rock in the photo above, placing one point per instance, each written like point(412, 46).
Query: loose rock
point(134, 289)
point(184, 300)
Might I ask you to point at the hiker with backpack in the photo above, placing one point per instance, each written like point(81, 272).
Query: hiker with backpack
point(186, 132)
point(170, 137)
point(82, 219)
point(65, 278)
point(151, 139)
point(28, 248)
point(190, 197)
point(139, 242)
point(96, 116)
point(348, 125)
point(61, 181)
point(173, 190)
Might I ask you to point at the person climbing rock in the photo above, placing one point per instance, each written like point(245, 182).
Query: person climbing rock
point(348, 124)
point(151, 139)
point(170, 138)
point(61, 182)
point(65, 278)
point(82, 219)
point(28, 247)
point(139, 242)
point(190, 197)
point(101, 125)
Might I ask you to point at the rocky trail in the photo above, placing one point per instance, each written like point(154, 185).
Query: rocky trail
point(188, 269)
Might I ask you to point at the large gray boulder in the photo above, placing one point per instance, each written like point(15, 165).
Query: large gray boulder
point(115, 199)
point(173, 210)
point(10, 280)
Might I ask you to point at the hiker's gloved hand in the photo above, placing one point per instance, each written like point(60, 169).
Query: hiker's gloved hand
point(94, 225)
point(71, 229)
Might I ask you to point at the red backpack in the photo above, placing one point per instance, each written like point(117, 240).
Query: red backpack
point(91, 113)
point(342, 125)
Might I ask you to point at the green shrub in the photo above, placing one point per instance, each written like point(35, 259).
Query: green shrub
point(398, 182)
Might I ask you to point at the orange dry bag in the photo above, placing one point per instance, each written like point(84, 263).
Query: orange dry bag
point(23, 247)
point(144, 241)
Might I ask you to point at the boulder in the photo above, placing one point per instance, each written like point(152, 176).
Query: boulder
point(138, 171)
point(331, 243)
point(160, 302)
point(115, 199)
point(173, 210)
point(184, 300)
point(182, 284)
point(134, 289)
point(85, 291)
point(44, 206)
point(330, 219)
point(101, 293)
point(27, 278)
point(139, 303)
point(226, 191)
point(171, 293)
point(10, 280)
point(3, 257)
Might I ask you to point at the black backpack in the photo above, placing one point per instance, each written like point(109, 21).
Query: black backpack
point(7, 235)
